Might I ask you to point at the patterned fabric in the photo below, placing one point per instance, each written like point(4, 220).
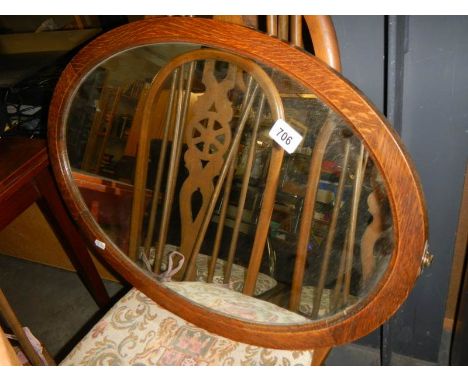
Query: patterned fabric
point(235, 304)
point(137, 331)
point(238, 273)
point(307, 298)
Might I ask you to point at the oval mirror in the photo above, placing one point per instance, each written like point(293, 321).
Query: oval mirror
point(238, 182)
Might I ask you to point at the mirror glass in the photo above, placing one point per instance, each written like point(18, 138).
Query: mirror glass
point(173, 157)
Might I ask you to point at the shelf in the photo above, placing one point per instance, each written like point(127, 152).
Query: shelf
point(44, 42)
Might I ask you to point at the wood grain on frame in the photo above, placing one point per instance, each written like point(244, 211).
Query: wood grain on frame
point(404, 193)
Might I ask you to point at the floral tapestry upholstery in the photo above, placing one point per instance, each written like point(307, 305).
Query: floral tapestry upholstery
point(307, 298)
point(235, 304)
point(238, 273)
point(137, 331)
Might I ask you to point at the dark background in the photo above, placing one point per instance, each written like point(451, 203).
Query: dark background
point(416, 68)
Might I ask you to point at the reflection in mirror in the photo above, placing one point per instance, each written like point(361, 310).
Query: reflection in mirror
point(169, 146)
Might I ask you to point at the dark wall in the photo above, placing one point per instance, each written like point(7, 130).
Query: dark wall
point(361, 40)
point(435, 132)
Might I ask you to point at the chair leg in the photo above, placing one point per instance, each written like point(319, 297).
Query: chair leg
point(320, 355)
point(8, 356)
point(9, 315)
point(72, 242)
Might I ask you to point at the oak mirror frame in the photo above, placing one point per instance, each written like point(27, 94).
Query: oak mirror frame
point(401, 183)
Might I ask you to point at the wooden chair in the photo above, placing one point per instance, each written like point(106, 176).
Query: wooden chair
point(181, 321)
point(209, 143)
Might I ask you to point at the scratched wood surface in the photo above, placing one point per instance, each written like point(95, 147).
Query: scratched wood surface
point(405, 195)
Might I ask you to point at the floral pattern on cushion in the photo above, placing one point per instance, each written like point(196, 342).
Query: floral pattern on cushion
point(137, 331)
point(307, 298)
point(234, 304)
point(238, 273)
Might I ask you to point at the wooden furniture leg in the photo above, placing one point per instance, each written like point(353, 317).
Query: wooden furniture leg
point(12, 321)
point(72, 242)
point(26, 178)
point(8, 356)
point(320, 355)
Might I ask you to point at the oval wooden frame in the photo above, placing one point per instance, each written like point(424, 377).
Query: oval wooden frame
point(404, 192)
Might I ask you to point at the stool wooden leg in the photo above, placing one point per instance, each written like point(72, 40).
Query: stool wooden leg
point(320, 355)
point(69, 237)
point(8, 356)
point(12, 321)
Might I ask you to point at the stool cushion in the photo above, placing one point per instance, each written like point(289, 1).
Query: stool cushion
point(237, 305)
point(238, 273)
point(137, 331)
point(307, 299)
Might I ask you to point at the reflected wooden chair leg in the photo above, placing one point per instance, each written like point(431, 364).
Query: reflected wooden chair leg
point(308, 212)
point(263, 221)
point(335, 301)
point(160, 169)
point(243, 193)
point(331, 233)
point(361, 163)
point(176, 152)
point(221, 223)
point(69, 237)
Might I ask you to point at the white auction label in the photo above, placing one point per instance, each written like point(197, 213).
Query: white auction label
point(99, 244)
point(285, 135)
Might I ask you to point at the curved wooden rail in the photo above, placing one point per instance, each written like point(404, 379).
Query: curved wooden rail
point(322, 32)
point(401, 182)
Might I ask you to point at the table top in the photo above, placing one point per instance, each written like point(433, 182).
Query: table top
point(20, 160)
